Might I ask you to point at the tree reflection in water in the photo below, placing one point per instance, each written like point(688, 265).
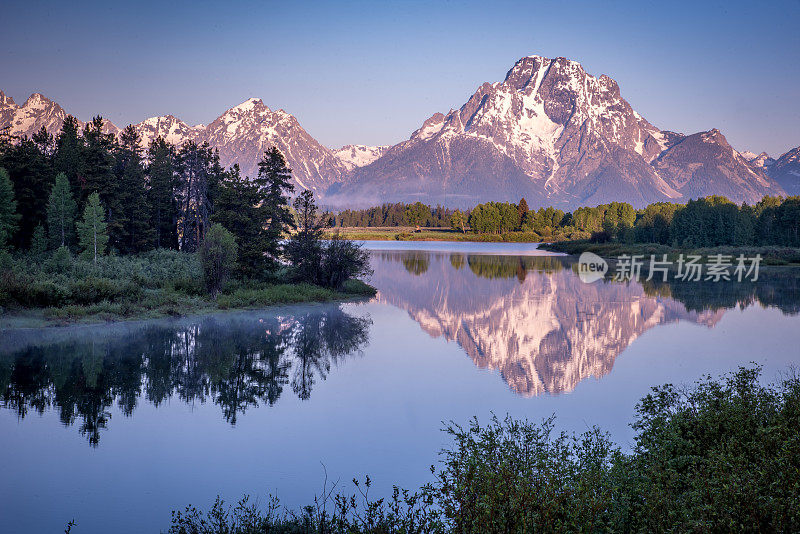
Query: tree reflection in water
point(236, 361)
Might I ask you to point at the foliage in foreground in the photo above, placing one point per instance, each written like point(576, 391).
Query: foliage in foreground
point(721, 456)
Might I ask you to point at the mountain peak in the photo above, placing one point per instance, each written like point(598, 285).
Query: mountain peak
point(251, 104)
point(37, 100)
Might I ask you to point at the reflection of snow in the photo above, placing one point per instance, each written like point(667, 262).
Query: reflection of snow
point(544, 334)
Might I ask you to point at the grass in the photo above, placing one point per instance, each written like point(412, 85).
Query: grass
point(61, 289)
point(772, 255)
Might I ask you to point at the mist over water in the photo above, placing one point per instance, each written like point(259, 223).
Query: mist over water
point(132, 420)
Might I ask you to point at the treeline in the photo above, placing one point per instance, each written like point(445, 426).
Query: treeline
point(397, 214)
point(93, 193)
point(706, 222)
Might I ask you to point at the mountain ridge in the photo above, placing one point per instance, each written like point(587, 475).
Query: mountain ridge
point(550, 131)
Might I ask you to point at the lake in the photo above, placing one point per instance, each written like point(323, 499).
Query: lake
point(116, 425)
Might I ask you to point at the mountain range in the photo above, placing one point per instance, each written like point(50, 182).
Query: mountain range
point(550, 132)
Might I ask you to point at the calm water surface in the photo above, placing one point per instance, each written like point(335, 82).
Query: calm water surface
point(117, 425)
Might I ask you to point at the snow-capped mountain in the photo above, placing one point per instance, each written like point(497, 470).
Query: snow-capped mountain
point(37, 111)
point(241, 134)
point(353, 156)
point(557, 135)
point(244, 132)
point(550, 132)
point(171, 128)
point(762, 161)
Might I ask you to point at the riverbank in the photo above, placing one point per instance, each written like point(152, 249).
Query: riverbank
point(37, 292)
point(430, 234)
point(771, 255)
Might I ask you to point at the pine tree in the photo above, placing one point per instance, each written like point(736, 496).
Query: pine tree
point(240, 210)
point(99, 176)
point(30, 172)
point(93, 229)
point(38, 242)
point(61, 208)
point(304, 250)
point(161, 195)
point(135, 231)
point(68, 157)
point(274, 181)
point(9, 218)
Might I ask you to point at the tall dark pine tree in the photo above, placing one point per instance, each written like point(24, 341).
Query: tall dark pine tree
point(135, 231)
point(195, 172)
point(98, 176)
point(274, 182)
point(161, 194)
point(31, 174)
point(240, 210)
point(68, 156)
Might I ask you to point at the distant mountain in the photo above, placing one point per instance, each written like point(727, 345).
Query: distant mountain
point(786, 171)
point(557, 135)
point(241, 134)
point(550, 132)
point(37, 111)
point(353, 156)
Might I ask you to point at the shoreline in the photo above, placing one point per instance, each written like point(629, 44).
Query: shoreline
point(771, 255)
point(55, 317)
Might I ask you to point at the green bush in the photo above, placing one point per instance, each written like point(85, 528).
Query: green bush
point(723, 456)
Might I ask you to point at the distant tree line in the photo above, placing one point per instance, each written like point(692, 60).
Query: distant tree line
point(705, 222)
point(92, 192)
point(397, 214)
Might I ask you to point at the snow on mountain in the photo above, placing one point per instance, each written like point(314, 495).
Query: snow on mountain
point(544, 330)
point(172, 129)
point(244, 132)
point(550, 132)
point(353, 156)
point(37, 111)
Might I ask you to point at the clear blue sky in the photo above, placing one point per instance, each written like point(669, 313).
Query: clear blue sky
point(365, 72)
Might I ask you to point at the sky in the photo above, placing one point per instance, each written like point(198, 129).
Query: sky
point(372, 72)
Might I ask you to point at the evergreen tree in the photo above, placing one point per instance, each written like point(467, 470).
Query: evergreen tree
point(9, 218)
point(93, 229)
point(240, 210)
point(304, 250)
point(30, 172)
point(99, 177)
point(195, 169)
point(274, 182)
point(135, 231)
point(61, 208)
point(161, 201)
point(39, 242)
point(523, 209)
point(68, 157)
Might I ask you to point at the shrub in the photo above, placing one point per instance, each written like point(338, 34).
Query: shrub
point(217, 257)
point(343, 260)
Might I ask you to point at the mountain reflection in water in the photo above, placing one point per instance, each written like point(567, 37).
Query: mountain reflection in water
point(236, 361)
point(533, 320)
